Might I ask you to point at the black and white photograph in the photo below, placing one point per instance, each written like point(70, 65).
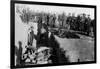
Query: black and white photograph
point(53, 35)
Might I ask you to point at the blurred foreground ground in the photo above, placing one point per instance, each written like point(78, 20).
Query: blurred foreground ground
point(82, 49)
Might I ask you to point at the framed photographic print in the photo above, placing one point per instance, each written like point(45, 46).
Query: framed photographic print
point(52, 34)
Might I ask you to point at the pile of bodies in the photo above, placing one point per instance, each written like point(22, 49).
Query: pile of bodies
point(36, 56)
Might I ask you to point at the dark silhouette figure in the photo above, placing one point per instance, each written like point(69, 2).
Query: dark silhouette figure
point(42, 39)
point(18, 53)
point(58, 55)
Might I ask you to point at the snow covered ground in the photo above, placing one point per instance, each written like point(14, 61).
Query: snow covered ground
point(82, 49)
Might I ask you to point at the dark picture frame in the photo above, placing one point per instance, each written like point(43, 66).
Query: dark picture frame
point(12, 32)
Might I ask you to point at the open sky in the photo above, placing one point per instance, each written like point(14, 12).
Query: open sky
point(58, 9)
